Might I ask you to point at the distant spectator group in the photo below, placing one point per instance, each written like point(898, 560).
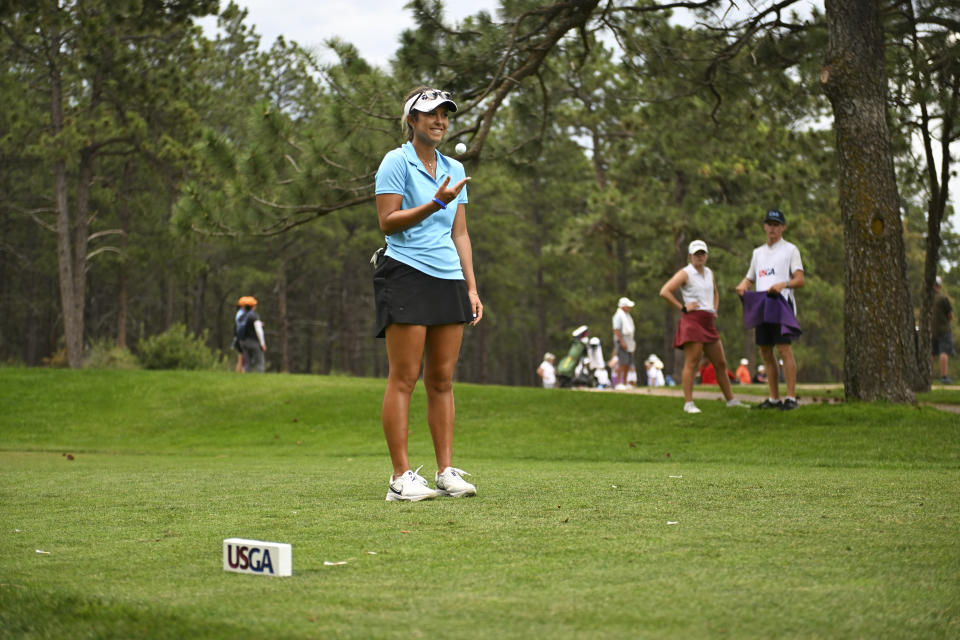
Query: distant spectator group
point(769, 308)
point(775, 270)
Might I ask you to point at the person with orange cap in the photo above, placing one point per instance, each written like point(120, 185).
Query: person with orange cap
point(236, 341)
point(249, 335)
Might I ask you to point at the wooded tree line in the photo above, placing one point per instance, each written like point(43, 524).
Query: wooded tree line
point(151, 175)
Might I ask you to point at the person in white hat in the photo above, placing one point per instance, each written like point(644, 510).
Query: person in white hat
point(743, 371)
point(597, 366)
point(623, 340)
point(547, 372)
point(654, 371)
point(760, 377)
point(424, 289)
point(696, 333)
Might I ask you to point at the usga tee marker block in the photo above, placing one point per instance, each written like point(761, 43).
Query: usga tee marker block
point(257, 557)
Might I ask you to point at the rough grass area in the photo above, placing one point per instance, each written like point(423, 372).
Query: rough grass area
point(598, 515)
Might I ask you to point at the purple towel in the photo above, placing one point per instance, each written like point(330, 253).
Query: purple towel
point(758, 307)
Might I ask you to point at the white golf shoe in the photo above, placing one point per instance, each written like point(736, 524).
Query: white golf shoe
point(410, 487)
point(689, 407)
point(451, 483)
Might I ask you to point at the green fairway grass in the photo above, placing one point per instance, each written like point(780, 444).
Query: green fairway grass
point(597, 515)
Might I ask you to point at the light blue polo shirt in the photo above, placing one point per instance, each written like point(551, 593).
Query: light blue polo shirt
point(428, 245)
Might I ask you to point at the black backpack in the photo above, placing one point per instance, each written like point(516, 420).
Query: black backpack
point(244, 329)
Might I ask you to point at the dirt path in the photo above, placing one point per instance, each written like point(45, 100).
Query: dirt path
point(713, 393)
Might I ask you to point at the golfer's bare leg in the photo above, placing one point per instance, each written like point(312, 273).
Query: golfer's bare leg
point(692, 352)
point(789, 369)
point(773, 370)
point(441, 354)
point(404, 351)
point(714, 351)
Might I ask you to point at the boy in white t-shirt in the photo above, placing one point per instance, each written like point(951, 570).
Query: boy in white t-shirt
point(777, 269)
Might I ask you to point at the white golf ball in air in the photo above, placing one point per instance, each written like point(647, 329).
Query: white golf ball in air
point(461, 148)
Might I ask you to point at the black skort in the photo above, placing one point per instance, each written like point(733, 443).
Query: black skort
point(768, 334)
point(404, 295)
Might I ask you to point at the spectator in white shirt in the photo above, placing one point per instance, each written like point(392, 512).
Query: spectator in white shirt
point(547, 371)
point(623, 340)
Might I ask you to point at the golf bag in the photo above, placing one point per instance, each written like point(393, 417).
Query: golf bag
point(597, 366)
point(583, 376)
point(567, 368)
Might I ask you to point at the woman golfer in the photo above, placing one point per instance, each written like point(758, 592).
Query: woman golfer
point(696, 333)
point(424, 289)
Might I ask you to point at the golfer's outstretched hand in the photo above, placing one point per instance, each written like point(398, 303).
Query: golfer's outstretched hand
point(446, 193)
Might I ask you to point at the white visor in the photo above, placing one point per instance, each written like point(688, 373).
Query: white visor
point(428, 101)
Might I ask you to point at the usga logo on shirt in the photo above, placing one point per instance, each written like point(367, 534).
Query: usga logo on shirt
point(257, 557)
point(763, 273)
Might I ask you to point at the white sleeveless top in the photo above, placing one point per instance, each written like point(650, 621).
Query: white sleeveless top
point(698, 288)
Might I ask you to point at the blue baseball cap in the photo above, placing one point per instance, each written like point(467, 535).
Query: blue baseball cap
point(775, 215)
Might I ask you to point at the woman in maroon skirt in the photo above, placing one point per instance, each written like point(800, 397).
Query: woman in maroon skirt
point(696, 333)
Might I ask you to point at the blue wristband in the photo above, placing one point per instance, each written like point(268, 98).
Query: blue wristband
point(443, 205)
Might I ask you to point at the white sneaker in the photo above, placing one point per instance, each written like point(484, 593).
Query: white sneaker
point(410, 487)
point(689, 407)
point(620, 387)
point(450, 483)
point(736, 403)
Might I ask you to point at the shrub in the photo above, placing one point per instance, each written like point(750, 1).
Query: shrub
point(177, 349)
point(57, 359)
point(105, 354)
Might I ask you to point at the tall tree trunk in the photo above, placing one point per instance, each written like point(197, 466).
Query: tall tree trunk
point(671, 358)
point(343, 320)
point(669, 353)
point(123, 213)
point(66, 263)
point(72, 321)
point(72, 238)
point(282, 317)
point(168, 299)
point(539, 296)
point(199, 297)
point(122, 297)
point(329, 334)
point(880, 356)
point(32, 340)
point(307, 344)
point(938, 185)
point(480, 333)
point(73, 227)
point(541, 311)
